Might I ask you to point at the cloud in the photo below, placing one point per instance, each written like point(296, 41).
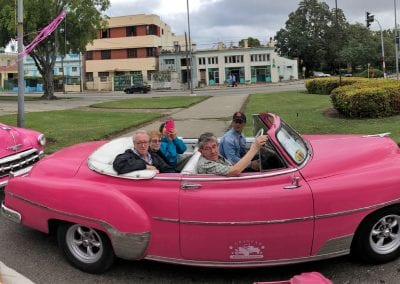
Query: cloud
point(231, 20)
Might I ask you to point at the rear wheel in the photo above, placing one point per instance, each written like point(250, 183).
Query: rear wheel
point(88, 249)
point(378, 238)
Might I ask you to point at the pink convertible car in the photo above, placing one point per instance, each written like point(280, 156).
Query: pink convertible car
point(19, 149)
point(317, 196)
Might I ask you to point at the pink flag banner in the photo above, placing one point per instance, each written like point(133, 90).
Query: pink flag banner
point(43, 34)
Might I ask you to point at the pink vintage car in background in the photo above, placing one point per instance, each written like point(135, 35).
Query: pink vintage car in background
point(316, 197)
point(19, 149)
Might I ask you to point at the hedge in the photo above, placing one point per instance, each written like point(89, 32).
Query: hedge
point(324, 86)
point(377, 98)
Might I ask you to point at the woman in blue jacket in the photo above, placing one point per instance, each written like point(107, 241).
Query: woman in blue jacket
point(171, 145)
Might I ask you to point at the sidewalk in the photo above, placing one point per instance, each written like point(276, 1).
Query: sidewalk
point(10, 276)
point(212, 115)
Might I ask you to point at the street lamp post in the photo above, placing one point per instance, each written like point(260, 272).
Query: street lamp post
point(21, 87)
point(383, 51)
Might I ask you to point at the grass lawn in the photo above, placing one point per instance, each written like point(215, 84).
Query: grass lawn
point(68, 127)
point(152, 103)
point(15, 98)
point(307, 113)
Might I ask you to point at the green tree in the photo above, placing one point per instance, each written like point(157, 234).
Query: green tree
point(305, 34)
point(252, 42)
point(82, 22)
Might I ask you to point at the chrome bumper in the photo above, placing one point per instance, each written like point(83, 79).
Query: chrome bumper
point(10, 214)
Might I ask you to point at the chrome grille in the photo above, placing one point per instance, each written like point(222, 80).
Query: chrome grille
point(18, 161)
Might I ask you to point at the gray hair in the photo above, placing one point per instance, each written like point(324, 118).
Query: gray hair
point(140, 131)
point(205, 138)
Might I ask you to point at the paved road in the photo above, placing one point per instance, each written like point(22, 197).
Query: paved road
point(37, 256)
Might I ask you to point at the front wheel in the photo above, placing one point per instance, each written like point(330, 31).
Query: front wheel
point(378, 238)
point(87, 249)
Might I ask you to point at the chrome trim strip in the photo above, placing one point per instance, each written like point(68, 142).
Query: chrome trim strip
point(342, 243)
point(10, 214)
point(130, 246)
point(166, 219)
point(232, 223)
point(246, 263)
point(383, 204)
point(279, 221)
point(253, 176)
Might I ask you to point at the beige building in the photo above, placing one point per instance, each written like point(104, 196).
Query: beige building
point(130, 46)
point(8, 68)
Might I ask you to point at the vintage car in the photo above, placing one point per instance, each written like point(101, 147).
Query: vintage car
point(19, 149)
point(138, 88)
point(316, 197)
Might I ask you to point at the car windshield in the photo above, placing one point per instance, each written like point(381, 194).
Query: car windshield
point(294, 145)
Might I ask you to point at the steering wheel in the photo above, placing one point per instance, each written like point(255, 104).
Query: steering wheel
point(260, 132)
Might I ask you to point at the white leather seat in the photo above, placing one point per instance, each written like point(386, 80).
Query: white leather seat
point(102, 159)
point(191, 166)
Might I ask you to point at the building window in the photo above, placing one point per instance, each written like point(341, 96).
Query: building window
point(234, 59)
point(106, 54)
point(105, 33)
point(151, 30)
point(103, 76)
point(150, 51)
point(89, 76)
point(74, 69)
point(202, 61)
point(131, 31)
point(89, 55)
point(213, 60)
point(169, 61)
point(259, 57)
point(60, 70)
point(132, 52)
point(184, 62)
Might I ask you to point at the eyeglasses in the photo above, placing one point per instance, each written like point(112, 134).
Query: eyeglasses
point(155, 140)
point(239, 121)
point(142, 142)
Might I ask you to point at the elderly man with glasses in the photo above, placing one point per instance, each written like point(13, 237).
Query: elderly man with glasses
point(139, 157)
point(211, 162)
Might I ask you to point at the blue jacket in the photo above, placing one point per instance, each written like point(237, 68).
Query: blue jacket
point(232, 146)
point(171, 148)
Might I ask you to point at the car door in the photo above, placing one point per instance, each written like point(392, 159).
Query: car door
point(257, 217)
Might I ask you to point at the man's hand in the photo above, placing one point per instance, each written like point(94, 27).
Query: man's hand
point(172, 134)
point(260, 141)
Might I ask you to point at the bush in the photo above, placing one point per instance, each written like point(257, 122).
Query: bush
point(324, 86)
point(374, 73)
point(368, 99)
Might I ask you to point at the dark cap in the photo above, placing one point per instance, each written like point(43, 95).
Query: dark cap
point(239, 116)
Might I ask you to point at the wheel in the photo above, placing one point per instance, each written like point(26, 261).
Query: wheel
point(87, 249)
point(378, 238)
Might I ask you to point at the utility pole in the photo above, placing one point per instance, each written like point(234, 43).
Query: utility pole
point(21, 73)
point(190, 50)
point(396, 40)
point(338, 43)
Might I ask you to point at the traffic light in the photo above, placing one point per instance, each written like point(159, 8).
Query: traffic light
point(369, 18)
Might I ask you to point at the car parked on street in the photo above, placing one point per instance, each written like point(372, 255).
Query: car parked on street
point(19, 149)
point(315, 197)
point(320, 74)
point(138, 88)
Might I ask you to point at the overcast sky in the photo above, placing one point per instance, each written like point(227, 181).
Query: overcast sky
point(229, 21)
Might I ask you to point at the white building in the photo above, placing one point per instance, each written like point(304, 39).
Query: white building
point(214, 66)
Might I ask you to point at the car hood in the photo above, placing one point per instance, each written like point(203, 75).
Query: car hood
point(12, 141)
point(335, 154)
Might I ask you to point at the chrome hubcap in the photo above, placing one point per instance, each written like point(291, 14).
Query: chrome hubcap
point(385, 235)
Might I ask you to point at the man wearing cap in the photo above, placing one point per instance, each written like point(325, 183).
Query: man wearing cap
point(233, 144)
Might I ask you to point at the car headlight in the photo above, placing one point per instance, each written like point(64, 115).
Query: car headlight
point(42, 140)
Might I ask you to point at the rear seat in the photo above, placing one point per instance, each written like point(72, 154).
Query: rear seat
point(191, 166)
